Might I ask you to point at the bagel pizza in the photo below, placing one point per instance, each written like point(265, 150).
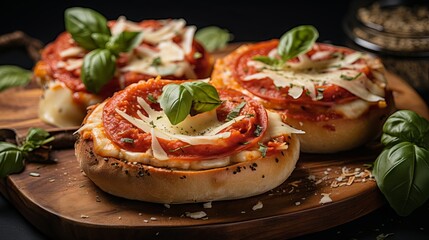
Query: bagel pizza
point(171, 141)
point(95, 58)
point(337, 95)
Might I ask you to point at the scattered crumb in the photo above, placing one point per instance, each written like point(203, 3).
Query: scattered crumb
point(153, 219)
point(97, 198)
point(297, 203)
point(383, 236)
point(207, 205)
point(34, 174)
point(295, 183)
point(243, 211)
point(119, 217)
point(325, 198)
point(311, 177)
point(84, 216)
point(140, 213)
point(257, 206)
point(51, 180)
point(167, 205)
point(145, 221)
point(196, 215)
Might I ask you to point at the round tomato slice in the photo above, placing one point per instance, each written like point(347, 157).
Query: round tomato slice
point(51, 55)
point(244, 133)
point(265, 88)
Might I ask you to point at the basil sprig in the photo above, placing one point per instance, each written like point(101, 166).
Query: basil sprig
point(401, 170)
point(294, 42)
point(213, 38)
point(89, 29)
point(97, 69)
point(13, 76)
point(180, 100)
point(12, 157)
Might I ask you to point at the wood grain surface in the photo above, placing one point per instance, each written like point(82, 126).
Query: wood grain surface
point(64, 204)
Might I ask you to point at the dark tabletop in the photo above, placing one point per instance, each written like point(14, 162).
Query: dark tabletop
point(247, 22)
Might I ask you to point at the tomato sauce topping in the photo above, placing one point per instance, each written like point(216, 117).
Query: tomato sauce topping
point(243, 133)
point(265, 88)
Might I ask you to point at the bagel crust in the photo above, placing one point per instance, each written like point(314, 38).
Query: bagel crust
point(163, 185)
point(256, 152)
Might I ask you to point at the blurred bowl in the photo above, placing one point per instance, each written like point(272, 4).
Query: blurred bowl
point(397, 33)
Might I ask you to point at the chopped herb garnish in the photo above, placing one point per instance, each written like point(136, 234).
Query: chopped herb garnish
point(348, 78)
point(127, 140)
point(159, 117)
point(151, 98)
point(258, 130)
point(235, 111)
point(263, 149)
point(156, 62)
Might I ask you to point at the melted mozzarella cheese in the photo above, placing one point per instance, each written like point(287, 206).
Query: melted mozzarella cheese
point(72, 52)
point(156, 156)
point(304, 75)
point(57, 106)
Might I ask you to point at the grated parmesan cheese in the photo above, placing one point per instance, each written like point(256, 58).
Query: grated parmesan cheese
point(196, 215)
point(257, 206)
point(207, 205)
point(325, 198)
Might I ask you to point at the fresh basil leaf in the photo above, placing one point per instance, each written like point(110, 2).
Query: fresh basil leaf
point(13, 76)
point(401, 173)
point(81, 23)
point(36, 137)
point(235, 111)
point(11, 159)
point(124, 42)
point(213, 38)
point(204, 96)
point(100, 39)
point(267, 60)
point(98, 68)
point(296, 41)
point(406, 126)
point(176, 101)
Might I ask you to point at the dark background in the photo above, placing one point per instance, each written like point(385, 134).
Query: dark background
point(247, 22)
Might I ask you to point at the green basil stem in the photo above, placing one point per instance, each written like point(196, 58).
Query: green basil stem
point(12, 157)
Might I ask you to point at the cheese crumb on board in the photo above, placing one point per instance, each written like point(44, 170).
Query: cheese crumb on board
point(325, 198)
point(196, 215)
point(207, 205)
point(257, 206)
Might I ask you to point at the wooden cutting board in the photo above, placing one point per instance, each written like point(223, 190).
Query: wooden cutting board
point(64, 204)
